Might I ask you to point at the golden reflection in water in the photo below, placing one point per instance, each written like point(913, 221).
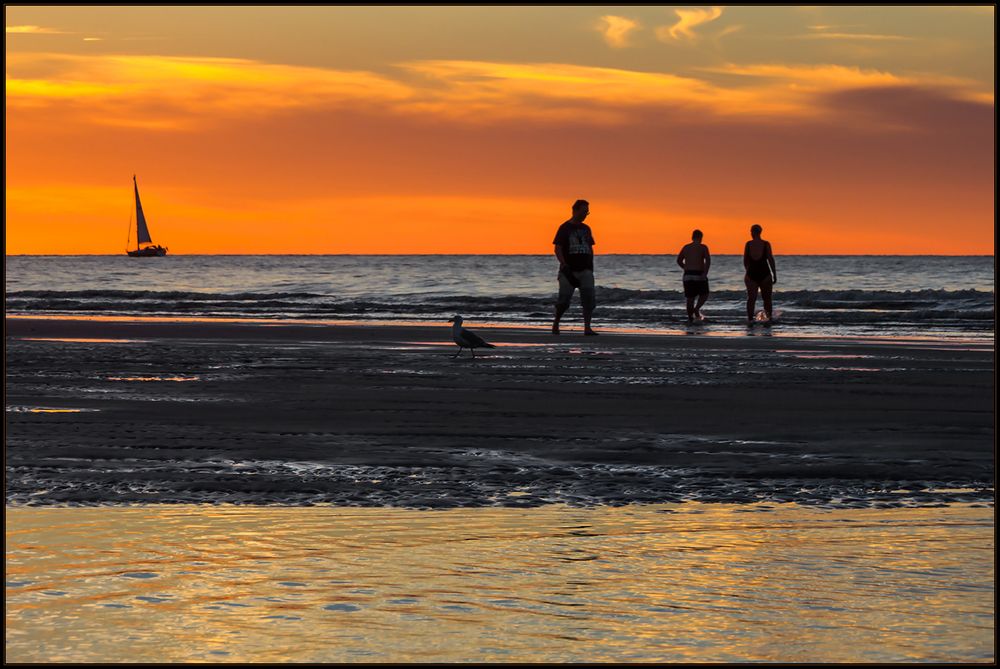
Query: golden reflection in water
point(687, 582)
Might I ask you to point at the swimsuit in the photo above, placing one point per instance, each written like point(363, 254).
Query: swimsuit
point(758, 270)
point(695, 283)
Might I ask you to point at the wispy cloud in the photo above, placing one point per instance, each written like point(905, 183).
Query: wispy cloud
point(170, 93)
point(480, 91)
point(814, 77)
point(174, 92)
point(485, 92)
point(34, 30)
point(616, 30)
point(854, 36)
point(688, 20)
point(835, 32)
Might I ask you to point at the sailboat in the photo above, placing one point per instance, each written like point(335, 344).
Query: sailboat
point(144, 246)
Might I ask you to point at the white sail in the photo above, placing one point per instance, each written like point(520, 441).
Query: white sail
point(142, 232)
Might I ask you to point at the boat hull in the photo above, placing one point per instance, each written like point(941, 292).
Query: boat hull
point(148, 252)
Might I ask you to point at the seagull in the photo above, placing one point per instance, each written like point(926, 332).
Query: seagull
point(466, 339)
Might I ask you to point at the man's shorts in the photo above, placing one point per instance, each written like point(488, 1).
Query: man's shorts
point(585, 278)
point(695, 285)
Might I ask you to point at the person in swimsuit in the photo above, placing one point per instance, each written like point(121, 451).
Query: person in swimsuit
point(695, 260)
point(761, 273)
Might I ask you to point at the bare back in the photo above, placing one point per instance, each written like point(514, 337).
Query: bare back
point(694, 257)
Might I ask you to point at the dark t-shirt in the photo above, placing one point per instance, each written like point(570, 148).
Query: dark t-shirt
point(577, 244)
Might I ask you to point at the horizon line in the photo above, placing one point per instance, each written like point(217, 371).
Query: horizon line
point(602, 255)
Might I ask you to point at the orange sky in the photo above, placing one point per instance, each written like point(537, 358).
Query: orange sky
point(473, 129)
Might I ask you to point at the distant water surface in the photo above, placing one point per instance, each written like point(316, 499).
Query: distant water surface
point(657, 583)
point(940, 296)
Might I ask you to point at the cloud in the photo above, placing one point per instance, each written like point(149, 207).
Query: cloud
point(485, 92)
point(813, 77)
point(174, 92)
point(34, 30)
point(831, 78)
point(854, 36)
point(688, 19)
point(616, 30)
point(481, 91)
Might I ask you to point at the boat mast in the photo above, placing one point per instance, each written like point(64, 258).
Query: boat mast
point(128, 235)
point(137, 205)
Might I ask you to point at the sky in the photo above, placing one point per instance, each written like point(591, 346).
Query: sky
point(325, 129)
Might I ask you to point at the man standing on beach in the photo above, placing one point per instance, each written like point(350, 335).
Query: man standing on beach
point(574, 247)
point(695, 260)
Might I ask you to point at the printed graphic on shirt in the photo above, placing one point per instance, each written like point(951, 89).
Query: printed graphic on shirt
point(578, 242)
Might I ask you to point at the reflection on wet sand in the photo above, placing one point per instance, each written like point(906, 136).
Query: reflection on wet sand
point(153, 378)
point(681, 582)
point(85, 340)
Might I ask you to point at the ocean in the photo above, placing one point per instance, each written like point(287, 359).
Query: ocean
point(948, 297)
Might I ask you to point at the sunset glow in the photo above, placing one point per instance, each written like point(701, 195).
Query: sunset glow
point(863, 130)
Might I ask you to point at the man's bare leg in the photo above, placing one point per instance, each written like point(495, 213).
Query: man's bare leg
point(560, 310)
point(701, 303)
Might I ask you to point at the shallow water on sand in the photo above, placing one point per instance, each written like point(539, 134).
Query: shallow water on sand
point(677, 582)
point(894, 296)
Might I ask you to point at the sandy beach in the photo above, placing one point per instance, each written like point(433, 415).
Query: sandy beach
point(130, 411)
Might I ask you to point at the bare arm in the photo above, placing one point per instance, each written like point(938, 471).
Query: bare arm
point(746, 256)
point(770, 261)
point(559, 256)
point(708, 260)
point(680, 258)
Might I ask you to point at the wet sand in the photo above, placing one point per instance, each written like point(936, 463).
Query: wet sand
point(120, 411)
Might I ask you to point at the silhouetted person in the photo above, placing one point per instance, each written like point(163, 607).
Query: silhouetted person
point(695, 260)
point(574, 247)
point(761, 272)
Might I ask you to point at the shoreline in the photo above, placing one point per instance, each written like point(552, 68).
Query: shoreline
point(22, 325)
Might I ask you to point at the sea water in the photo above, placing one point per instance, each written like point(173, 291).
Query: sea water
point(642, 583)
point(892, 296)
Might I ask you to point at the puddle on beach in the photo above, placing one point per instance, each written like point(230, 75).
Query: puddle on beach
point(417, 345)
point(655, 583)
point(153, 378)
point(867, 369)
point(84, 340)
point(826, 356)
point(24, 409)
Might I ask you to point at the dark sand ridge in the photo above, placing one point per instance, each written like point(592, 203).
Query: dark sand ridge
point(372, 415)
